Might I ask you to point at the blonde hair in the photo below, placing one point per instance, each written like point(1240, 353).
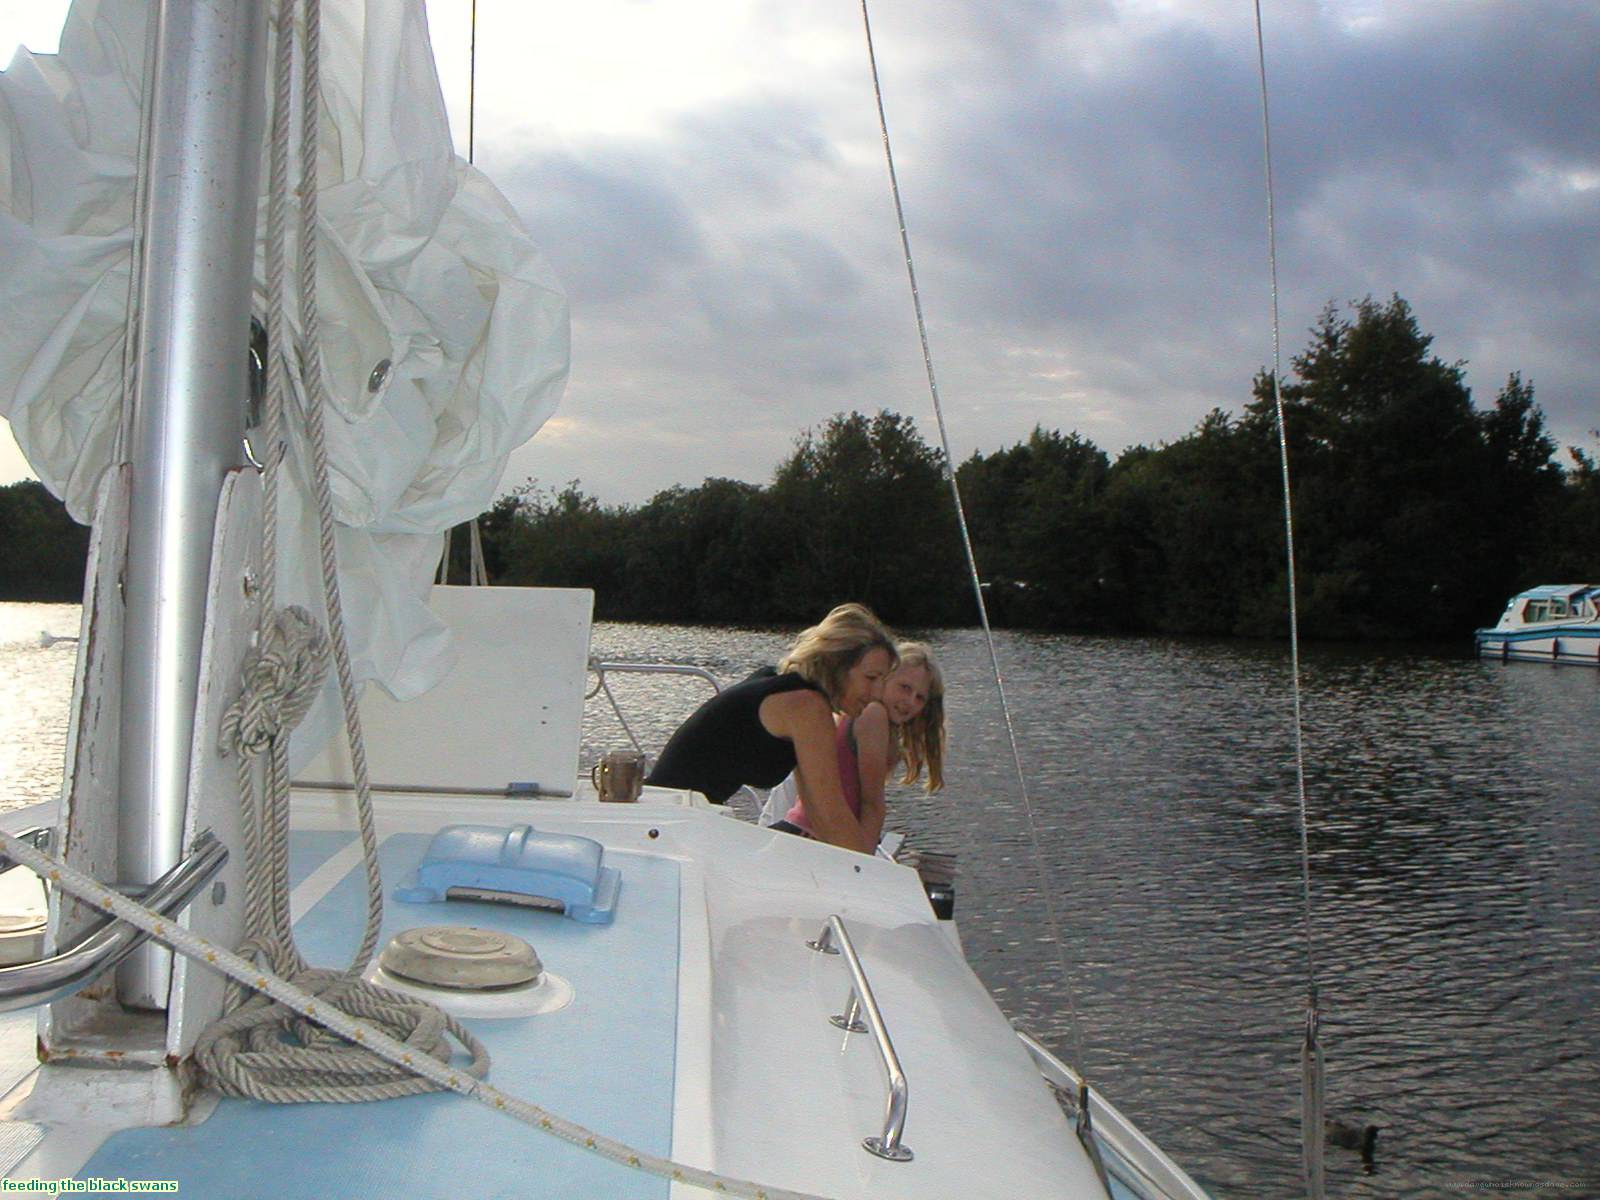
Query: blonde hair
point(825, 653)
point(920, 743)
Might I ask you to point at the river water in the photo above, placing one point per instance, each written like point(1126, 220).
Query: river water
point(1158, 933)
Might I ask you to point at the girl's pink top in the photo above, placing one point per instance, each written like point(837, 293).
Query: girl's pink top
point(849, 775)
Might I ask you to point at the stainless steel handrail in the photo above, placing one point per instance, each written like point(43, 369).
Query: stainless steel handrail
point(625, 668)
point(861, 1002)
point(110, 941)
point(39, 838)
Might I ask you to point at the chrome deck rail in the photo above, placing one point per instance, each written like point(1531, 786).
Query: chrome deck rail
point(835, 940)
point(111, 941)
point(602, 669)
point(39, 838)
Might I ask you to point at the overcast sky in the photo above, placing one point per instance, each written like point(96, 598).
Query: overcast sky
point(1083, 186)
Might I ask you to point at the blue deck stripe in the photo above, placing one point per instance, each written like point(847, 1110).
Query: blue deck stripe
point(605, 1061)
point(312, 848)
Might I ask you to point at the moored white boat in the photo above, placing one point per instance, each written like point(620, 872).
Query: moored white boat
point(679, 1042)
point(1555, 623)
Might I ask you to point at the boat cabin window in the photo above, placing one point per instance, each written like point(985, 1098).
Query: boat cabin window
point(1536, 610)
point(1558, 608)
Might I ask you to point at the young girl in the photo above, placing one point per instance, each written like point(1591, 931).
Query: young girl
point(905, 728)
point(780, 720)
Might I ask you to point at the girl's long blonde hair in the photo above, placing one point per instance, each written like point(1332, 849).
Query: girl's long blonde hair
point(825, 653)
point(920, 743)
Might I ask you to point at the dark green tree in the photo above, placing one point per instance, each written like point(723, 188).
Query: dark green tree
point(705, 551)
point(1567, 530)
point(43, 551)
point(1202, 539)
point(1520, 480)
point(1036, 516)
point(1389, 503)
point(568, 539)
point(861, 512)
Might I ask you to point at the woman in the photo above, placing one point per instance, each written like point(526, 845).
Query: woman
point(905, 727)
point(757, 731)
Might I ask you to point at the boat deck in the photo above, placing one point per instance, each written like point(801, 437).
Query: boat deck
point(605, 1060)
point(699, 1029)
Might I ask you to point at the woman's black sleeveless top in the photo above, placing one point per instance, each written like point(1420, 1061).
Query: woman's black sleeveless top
point(723, 745)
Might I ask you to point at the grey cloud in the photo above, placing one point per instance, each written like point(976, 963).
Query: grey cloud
point(1125, 206)
point(786, 283)
point(611, 222)
point(760, 145)
point(1086, 205)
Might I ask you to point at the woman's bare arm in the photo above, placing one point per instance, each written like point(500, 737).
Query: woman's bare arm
point(872, 753)
point(805, 719)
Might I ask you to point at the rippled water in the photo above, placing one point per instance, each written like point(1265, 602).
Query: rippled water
point(35, 691)
point(1455, 883)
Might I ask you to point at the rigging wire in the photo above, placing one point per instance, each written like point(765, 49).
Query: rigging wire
point(1311, 1053)
point(1046, 892)
point(472, 84)
point(477, 574)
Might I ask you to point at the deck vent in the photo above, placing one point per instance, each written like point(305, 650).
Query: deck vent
point(461, 956)
point(470, 972)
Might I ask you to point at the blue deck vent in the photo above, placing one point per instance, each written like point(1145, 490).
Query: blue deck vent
point(517, 865)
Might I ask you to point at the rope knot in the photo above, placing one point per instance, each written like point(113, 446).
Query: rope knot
point(282, 676)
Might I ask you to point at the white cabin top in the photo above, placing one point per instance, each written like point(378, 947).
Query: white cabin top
point(1552, 603)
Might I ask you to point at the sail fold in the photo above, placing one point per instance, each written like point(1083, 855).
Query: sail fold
point(445, 330)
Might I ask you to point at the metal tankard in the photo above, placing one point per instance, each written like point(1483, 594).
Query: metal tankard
point(619, 776)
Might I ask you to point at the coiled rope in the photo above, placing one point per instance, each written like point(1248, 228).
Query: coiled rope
point(257, 1049)
point(1311, 1060)
point(1046, 890)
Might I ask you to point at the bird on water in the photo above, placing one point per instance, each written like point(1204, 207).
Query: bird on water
point(1351, 1137)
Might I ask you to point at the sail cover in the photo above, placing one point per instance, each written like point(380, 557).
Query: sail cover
point(445, 331)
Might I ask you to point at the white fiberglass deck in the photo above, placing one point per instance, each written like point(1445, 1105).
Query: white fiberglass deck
point(699, 1030)
point(605, 1060)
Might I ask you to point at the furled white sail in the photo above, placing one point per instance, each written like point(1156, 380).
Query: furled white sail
point(445, 331)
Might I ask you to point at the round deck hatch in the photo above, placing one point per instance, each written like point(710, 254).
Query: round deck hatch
point(461, 957)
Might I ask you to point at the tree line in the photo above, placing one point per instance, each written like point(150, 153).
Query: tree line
point(1416, 515)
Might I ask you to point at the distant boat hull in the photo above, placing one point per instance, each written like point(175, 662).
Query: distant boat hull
point(1575, 645)
point(1557, 623)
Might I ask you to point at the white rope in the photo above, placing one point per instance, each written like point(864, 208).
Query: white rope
point(479, 569)
point(256, 1049)
point(1312, 1084)
point(247, 1052)
point(282, 674)
point(317, 402)
point(1046, 890)
point(442, 575)
point(360, 1033)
